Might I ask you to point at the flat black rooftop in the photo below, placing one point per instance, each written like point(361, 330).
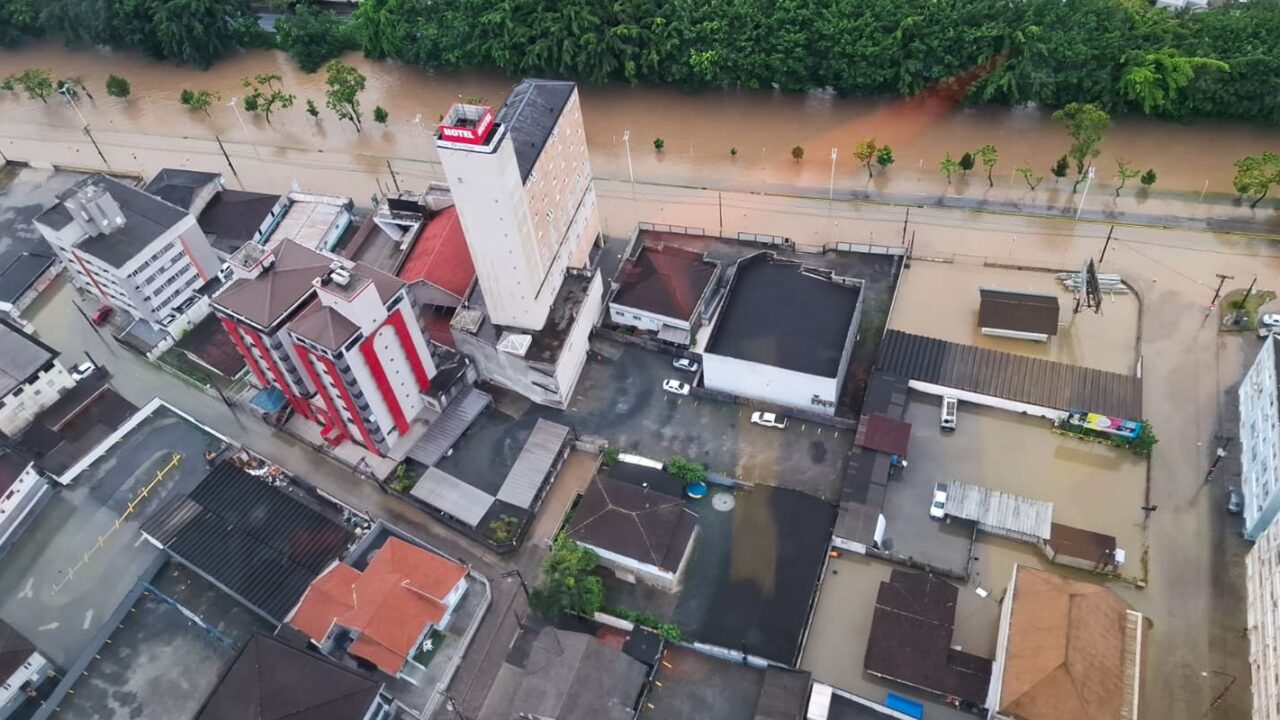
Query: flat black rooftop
point(179, 187)
point(780, 314)
point(530, 114)
point(249, 537)
point(146, 218)
point(545, 344)
point(1013, 377)
point(233, 216)
point(21, 273)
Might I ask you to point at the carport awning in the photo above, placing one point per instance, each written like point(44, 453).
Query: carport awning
point(531, 467)
point(448, 494)
point(1001, 513)
point(883, 434)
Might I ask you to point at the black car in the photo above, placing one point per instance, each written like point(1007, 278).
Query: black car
point(1235, 501)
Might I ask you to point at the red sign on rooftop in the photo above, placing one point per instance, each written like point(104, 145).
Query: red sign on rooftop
point(468, 125)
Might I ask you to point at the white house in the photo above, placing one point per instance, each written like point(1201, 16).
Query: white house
point(21, 486)
point(662, 290)
point(22, 669)
point(31, 378)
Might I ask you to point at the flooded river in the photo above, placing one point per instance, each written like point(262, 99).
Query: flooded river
point(699, 128)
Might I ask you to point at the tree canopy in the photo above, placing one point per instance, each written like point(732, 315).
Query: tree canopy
point(344, 84)
point(568, 583)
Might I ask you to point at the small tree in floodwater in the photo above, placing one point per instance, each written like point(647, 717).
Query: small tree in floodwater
point(312, 110)
point(1124, 174)
point(1060, 168)
point(966, 164)
point(199, 100)
point(1029, 177)
point(659, 144)
point(948, 166)
point(797, 153)
point(1148, 178)
point(884, 156)
point(380, 115)
point(344, 85)
point(118, 87)
point(37, 83)
point(865, 151)
point(988, 156)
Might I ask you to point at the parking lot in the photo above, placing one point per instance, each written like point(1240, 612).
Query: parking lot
point(1092, 486)
point(837, 642)
point(1105, 341)
point(71, 567)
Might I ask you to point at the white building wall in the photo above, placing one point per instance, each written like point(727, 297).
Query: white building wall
point(20, 407)
point(16, 502)
point(573, 357)
point(1262, 580)
point(770, 384)
point(1259, 396)
point(643, 319)
point(33, 670)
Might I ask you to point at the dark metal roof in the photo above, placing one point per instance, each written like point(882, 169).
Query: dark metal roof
point(21, 274)
point(665, 280)
point(778, 314)
point(146, 218)
point(1009, 376)
point(209, 341)
point(15, 649)
point(646, 526)
point(882, 433)
point(249, 537)
point(530, 114)
point(784, 694)
point(1019, 311)
point(270, 680)
point(233, 216)
point(179, 187)
point(910, 639)
point(22, 357)
point(1086, 545)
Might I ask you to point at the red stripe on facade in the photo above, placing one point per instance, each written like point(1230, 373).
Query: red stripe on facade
point(298, 405)
point(187, 249)
point(335, 418)
point(369, 351)
point(332, 371)
point(92, 279)
point(396, 320)
point(234, 331)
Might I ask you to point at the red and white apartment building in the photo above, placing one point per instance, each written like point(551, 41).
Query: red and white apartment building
point(337, 339)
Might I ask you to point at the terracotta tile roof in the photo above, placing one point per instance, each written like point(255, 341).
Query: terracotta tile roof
point(1065, 658)
point(387, 606)
point(440, 255)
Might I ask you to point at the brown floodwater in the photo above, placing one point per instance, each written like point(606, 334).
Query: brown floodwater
point(699, 128)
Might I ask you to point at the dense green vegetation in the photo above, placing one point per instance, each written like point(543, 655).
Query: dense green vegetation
point(1122, 55)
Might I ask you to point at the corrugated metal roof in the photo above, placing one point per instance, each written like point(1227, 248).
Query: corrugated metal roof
point(445, 431)
point(249, 537)
point(1000, 513)
point(448, 494)
point(1013, 377)
point(535, 460)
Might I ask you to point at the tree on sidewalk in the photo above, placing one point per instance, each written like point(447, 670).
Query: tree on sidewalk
point(1029, 177)
point(344, 85)
point(1255, 174)
point(1148, 178)
point(1085, 123)
point(866, 151)
point(989, 156)
point(966, 164)
point(948, 166)
point(1060, 168)
point(1124, 173)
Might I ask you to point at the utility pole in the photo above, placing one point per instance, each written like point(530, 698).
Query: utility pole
point(1236, 315)
point(905, 220)
point(515, 572)
point(1105, 245)
point(631, 173)
point(393, 176)
point(1218, 454)
point(831, 187)
point(66, 91)
point(449, 703)
point(227, 157)
point(1222, 279)
point(720, 205)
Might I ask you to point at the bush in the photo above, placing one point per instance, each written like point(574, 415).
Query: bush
point(380, 114)
point(687, 470)
point(503, 529)
point(669, 631)
point(659, 144)
point(609, 456)
point(118, 87)
point(1145, 443)
point(569, 585)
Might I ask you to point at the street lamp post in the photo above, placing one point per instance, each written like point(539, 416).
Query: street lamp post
point(66, 92)
point(515, 572)
point(831, 187)
point(1088, 181)
point(631, 173)
point(244, 127)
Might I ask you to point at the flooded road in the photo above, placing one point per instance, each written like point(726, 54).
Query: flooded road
point(699, 129)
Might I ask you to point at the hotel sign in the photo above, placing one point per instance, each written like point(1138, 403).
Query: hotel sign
point(469, 135)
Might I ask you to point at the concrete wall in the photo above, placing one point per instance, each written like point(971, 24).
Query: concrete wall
point(1262, 581)
point(20, 407)
point(574, 355)
point(770, 384)
point(1002, 646)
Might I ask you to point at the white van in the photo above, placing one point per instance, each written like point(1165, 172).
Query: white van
point(949, 407)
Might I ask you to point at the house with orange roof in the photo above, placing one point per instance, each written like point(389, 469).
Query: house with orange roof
point(384, 614)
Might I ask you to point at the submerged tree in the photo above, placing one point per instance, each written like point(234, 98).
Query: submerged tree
point(988, 156)
point(884, 156)
point(118, 87)
point(266, 94)
point(36, 83)
point(1256, 174)
point(1029, 177)
point(344, 85)
point(865, 151)
point(1124, 173)
point(1085, 123)
point(948, 166)
point(199, 100)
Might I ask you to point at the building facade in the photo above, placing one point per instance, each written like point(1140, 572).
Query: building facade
point(1262, 583)
point(338, 340)
point(522, 185)
point(1259, 397)
point(31, 378)
point(133, 250)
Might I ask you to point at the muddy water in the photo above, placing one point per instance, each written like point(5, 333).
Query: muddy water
point(699, 129)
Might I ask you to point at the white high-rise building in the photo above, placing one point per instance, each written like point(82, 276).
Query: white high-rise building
point(521, 181)
point(1259, 396)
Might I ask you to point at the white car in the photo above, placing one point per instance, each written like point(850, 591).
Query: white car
point(1269, 320)
point(675, 387)
point(82, 371)
point(685, 364)
point(768, 419)
point(938, 510)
